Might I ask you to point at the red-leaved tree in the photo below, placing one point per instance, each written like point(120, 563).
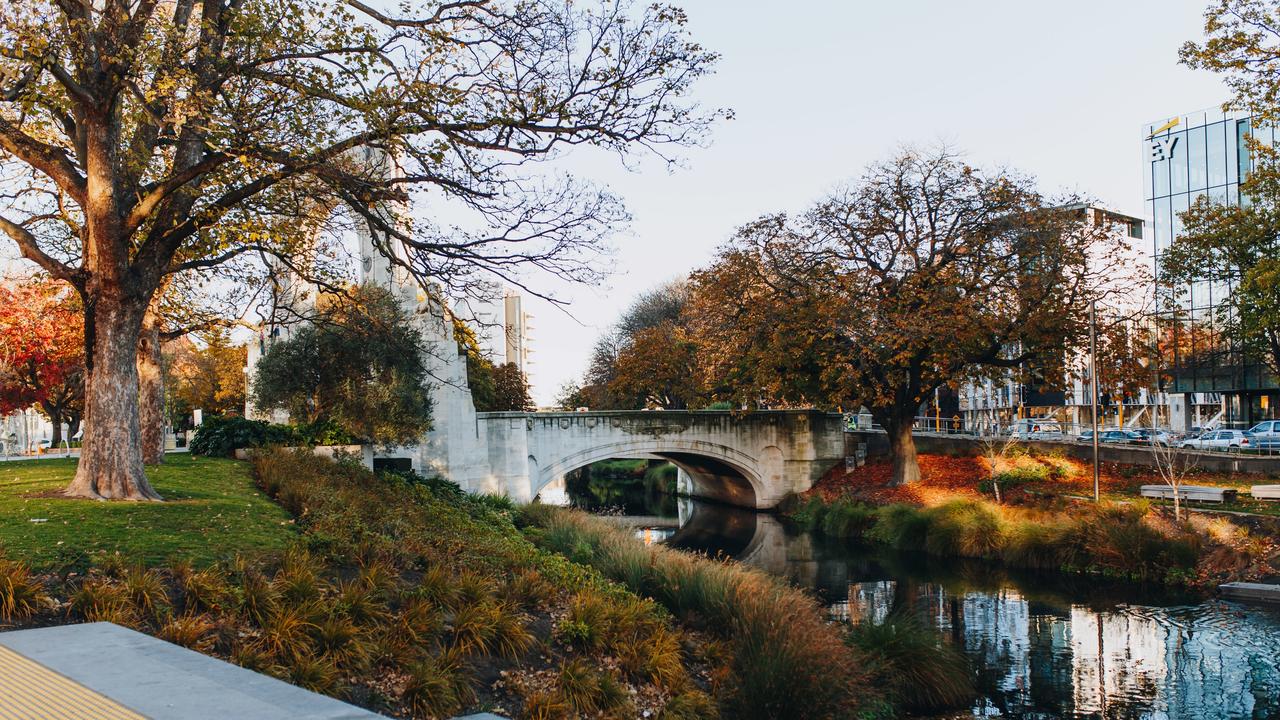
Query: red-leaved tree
point(42, 352)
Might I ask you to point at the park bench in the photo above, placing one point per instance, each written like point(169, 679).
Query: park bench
point(1194, 493)
point(1265, 492)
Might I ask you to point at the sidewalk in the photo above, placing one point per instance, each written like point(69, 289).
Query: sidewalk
point(101, 670)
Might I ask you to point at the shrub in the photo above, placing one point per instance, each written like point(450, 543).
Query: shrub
point(221, 435)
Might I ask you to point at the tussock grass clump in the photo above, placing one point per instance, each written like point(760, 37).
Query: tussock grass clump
point(781, 648)
point(438, 686)
point(966, 528)
point(99, 600)
point(21, 592)
point(190, 631)
point(921, 673)
point(691, 705)
point(588, 690)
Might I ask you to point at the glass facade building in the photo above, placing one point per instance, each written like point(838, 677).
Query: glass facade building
point(1187, 157)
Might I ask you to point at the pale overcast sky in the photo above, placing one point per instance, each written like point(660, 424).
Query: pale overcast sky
point(820, 89)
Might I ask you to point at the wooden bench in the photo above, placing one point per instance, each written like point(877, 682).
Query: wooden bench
point(1194, 493)
point(1265, 492)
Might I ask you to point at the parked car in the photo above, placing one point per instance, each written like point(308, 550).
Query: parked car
point(1154, 436)
point(1113, 436)
point(1266, 435)
point(1035, 429)
point(1222, 440)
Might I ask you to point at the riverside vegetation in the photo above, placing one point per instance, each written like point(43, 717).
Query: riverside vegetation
point(407, 596)
point(1042, 522)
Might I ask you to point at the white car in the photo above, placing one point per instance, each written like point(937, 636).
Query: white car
point(1221, 440)
point(1036, 429)
point(1267, 433)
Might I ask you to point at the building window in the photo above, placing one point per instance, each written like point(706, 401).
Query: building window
point(1244, 160)
point(1216, 147)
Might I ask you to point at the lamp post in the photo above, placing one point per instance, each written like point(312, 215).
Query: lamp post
point(1093, 393)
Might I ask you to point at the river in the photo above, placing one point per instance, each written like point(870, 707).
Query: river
point(1045, 645)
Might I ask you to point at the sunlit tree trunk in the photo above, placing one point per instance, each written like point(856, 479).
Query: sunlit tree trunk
point(902, 448)
point(110, 464)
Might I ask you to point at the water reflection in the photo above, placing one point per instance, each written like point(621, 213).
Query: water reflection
point(1044, 645)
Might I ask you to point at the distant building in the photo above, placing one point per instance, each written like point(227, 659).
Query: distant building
point(1215, 379)
point(501, 324)
point(991, 403)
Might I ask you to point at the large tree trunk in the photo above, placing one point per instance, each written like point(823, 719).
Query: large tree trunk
point(110, 465)
point(150, 391)
point(902, 446)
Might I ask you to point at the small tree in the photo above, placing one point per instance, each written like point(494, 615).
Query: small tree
point(359, 366)
point(995, 448)
point(1175, 466)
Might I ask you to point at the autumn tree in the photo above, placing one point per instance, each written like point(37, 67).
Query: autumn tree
point(360, 366)
point(511, 389)
point(658, 367)
point(205, 373)
point(924, 272)
point(42, 352)
point(629, 366)
point(145, 140)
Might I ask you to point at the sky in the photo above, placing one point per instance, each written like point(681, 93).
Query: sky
point(821, 89)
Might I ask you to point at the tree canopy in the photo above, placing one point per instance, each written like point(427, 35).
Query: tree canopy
point(924, 272)
point(359, 366)
point(1235, 246)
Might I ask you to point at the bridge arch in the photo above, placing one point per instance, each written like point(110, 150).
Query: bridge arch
point(719, 472)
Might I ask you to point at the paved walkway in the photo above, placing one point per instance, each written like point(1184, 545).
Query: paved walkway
point(100, 670)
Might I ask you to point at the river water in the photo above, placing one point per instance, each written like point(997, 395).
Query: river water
point(1043, 645)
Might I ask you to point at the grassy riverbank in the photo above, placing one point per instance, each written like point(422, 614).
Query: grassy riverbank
point(775, 653)
point(1039, 523)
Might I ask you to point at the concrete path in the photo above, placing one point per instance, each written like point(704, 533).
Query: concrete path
point(101, 670)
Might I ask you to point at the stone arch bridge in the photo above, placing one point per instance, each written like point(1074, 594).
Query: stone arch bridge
point(749, 459)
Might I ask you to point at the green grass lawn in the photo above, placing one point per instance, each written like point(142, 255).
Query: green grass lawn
point(212, 511)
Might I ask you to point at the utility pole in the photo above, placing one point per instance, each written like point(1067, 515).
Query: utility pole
point(1093, 393)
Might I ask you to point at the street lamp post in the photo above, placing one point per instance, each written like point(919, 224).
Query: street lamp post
point(1093, 393)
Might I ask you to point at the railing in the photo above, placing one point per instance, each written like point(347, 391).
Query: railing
point(1053, 431)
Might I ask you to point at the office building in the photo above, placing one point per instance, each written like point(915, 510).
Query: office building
point(1210, 377)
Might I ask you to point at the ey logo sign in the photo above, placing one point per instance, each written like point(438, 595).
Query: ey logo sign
point(1163, 148)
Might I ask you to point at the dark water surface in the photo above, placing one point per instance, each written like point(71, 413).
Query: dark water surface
point(1044, 645)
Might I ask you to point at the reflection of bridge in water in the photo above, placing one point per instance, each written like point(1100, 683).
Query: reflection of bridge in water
point(757, 539)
